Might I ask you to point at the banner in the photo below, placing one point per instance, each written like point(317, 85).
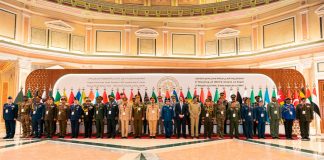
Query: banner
point(164, 81)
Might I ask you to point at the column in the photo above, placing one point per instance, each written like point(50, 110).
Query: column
point(23, 69)
point(127, 41)
point(165, 43)
point(26, 28)
point(89, 40)
point(304, 25)
point(201, 44)
point(255, 37)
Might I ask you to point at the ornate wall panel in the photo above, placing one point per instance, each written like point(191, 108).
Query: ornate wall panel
point(227, 46)
point(279, 33)
point(8, 24)
point(38, 36)
point(59, 40)
point(77, 43)
point(211, 48)
point(108, 41)
point(183, 44)
point(147, 46)
point(244, 44)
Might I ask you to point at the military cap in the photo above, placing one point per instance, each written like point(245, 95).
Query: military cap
point(233, 96)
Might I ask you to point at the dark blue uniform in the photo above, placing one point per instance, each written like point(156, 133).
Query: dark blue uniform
point(261, 116)
point(167, 116)
point(37, 115)
point(289, 115)
point(75, 116)
point(248, 117)
point(111, 114)
point(10, 114)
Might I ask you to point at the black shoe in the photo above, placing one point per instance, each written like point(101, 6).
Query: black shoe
point(5, 137)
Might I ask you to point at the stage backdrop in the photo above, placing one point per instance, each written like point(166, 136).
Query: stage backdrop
point(162, 82)
point(47, 78)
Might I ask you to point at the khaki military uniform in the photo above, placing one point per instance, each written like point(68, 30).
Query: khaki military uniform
point(152, 115)
point(194, 110)
point(220, 112)
point(24, 116)
point(62, 118)
point(125, 114)
point(274, 113)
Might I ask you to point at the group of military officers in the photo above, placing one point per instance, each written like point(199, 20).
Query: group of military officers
point(169, 117)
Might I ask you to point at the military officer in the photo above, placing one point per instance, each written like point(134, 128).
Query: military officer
point(88, 112)
point(112, 116)
point(274, 113)
point(63, 116)
point(261, 119)
point(160, 127)
point(38, 111)
point(248, 117)
point(75, 117)
point(167, 118)
point(288, 115)
point(50, 116)
point(10, 115)
point(208, 113)
point(138, 113)
point(220, 111)
point(234, 115)
point(181, 111)
point(304, 113)
point(99, 116)
point(225, 103)
point(173, 104)
point(24, 110)
point(256, 105)
point(145, 122)
point(152, 115)
point(125, 114)
point(194, 110)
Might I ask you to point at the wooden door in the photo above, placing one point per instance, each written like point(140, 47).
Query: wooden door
point(321, 102)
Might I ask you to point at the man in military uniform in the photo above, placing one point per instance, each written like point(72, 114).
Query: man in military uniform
point(112, 116)
point(194, 110)
point(261, 118)
point(234, 115)
point(256, 105)
point(145, 122)
point(24, 110)
point(222, 98)
point(304, 113)
point(208, 113)
point(181, 112)
point(119, 102)
point(63, 116)
point(88, 112)
point(10, 115)
point(125, 114)
point(75, 117)
point(160, 128)
point(167, 118)
point(220, 110)
point(288, 115)
point(152, 115)
point(173, 104)
point(38, 111)
point(248, 117)
point(274, 113)
point(50, 116)
point(138, 113)
point(99, 116)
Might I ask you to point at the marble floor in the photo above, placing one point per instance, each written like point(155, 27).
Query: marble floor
point(161, 149)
